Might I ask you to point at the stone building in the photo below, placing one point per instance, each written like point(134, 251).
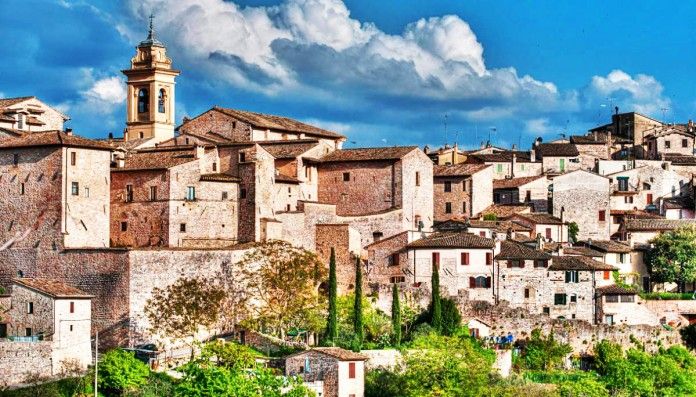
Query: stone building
point(558, 158)
point(509, 164)
point(547, 226)
point(669, 140)
point(28, 114)
point(631, 127)
point(619, 254)
point(446, 155)
point(387, 260)
point(583, 197)
point(641, 231)
point(462, 190)
point(532, 190)
point(329, 371)
point(681, 207)
point(57, 188)
point(622, 306)
point(646, 186)
point(592, 147)
point(173, 197)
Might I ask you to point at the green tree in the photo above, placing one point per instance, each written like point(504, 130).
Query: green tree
point(672, 257)
point(542, 353)
point(182, 309)
point(451, 318)
point(229, 355)
point(573, 230)
point(376, 324)
point(436, 304)
point(490, 217)
point(332, 324)
point(120, 371)
point(358, 307)
point(396, 316)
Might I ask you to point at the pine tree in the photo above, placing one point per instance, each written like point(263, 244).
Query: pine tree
point(396, 316)
point(436, 303)
point(332, 326)
point(357, 308)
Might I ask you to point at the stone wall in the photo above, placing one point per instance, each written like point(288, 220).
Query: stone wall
point(481, 191)
point(39, 322)
point(582, 195)
point(387, 261)
point(219, 123)
point(23, 362)
point(415, 189)
point(337, 236)
point(458, 198)
point(588, 154)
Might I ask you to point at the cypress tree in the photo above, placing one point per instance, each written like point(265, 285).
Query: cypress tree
point(332, 325)
point(396, 316)
point(357, 308)
point(436, 304)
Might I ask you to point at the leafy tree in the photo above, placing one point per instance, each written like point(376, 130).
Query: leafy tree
point(396, 316)
point(384, 383)
point(229, 355)
point(180, 310)
point(583, 387)
point(332, 325)
point(284, 281)
point(436, 304)
point(573, 230)
point(119, 371)
point(451, 318)
point(376, 324)
point(490, 217)
point(673, 257)
point(544, 353)
point(688, 335)
point(358, 308)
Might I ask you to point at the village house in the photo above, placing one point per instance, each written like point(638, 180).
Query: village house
point(680, 207)
point(629, 129)
point(461, 190)
point(645, 187)
point(532, 190)
point(618, 254)
point(508, 164)
point(641, 231)
point(551, 228)
point(583, 197)
point(670, 139)
point(446, 155)
point(619, 305)
point(521, 275)
point(48, 327)
point(28, 114)
point(592, 148)
point(557, 158)
point(329, 371)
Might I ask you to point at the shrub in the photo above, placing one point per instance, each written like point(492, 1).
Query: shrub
point(688, 335)
point(119, 370)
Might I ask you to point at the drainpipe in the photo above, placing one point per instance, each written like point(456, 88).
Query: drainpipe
point(594, 298)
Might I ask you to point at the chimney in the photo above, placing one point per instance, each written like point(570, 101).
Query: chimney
point(532, 155)
point(68, 131)
point(111, 135)
point(690, 126)
point(199, 152)
point(562, 213)
point(120, 162)
point(616, 110)
point(513, 165)
point(594, 134)
point(426, 149)
point(514, 147)
point(539, 242)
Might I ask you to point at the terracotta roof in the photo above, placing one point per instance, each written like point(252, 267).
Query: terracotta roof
point(53, 138)
point(607, 246)
point(368, 154)
point(53, 288)
point(502, 226)
point(462, 169)
point(502, 157)
point(635, 214)
point(591, 139)
point(335, 352)
point(5, 102)
point(280, 178)
point(31, 120)
point(679, 159)
point(541, 218)
point(679, 202)
point(616, 290)
point(452, 240)
point(514, 250)
point(159, 159)
point(514, 182)
point(578, 263)
point(666, 129)
point(219, 178)
point(12, 131)
point(557, 150)
point(127, 145)
point(289, 149)
point(506, 210)
point(583, 251)
point(521, 238)
point(260, 120)
point(657, 224)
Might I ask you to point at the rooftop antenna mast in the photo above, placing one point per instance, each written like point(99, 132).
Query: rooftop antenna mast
point(664, 112)
point(446, 137)
point(491, 130)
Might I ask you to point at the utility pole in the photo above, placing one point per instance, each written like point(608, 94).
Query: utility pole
point(96, 362)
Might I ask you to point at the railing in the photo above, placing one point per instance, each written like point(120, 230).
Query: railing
point(35, 338)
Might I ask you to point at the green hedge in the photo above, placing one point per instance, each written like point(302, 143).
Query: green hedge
point(667, 296)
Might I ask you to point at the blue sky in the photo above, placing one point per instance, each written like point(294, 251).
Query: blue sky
point(381, 72)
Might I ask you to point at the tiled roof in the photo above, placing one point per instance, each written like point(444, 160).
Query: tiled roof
point(452, 240)
point(637, 225)
point(578, 263)
point(5, 102)
point(541, 218)
point(12, 131)
point(53, 138)
point(591, 139)
point(608, 246)
point(522, 238)
point(289, 149)
point(159, 159)
point(273, 122)
point(502, 226)
point(583, 251)
point(557, 150)
point(635, 214)
point(514, 182)
point(127, 145)
point(679, 159)
point(666, 129)
point(679, 202)
point(335, 352)
point(53, 288)
point(616, 290)
point(502, 157)
point(280, 178)
point(505, 210)
point(368, 154)
point(462, 169)
point(219, 178)
point(514, 250)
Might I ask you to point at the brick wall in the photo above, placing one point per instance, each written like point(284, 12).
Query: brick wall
point(382, 259)
point(219, 123)
point(338, 236)
point(458, 197)
point(322, 367)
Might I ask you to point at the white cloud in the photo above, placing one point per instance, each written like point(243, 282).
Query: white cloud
point(341, 128)
point(537, 126)
point(109, 91)
point(640, 92)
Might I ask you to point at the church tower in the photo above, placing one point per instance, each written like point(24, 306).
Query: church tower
point(150, 102)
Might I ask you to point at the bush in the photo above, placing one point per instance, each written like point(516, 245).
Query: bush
point(119, 370)
point(688, 335)
point(543, 353)
point(451, 318)
point(667, 296)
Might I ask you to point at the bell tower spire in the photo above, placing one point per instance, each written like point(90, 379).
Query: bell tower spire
point(151, 82)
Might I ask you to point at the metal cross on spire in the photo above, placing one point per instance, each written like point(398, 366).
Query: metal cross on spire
point(151, 32)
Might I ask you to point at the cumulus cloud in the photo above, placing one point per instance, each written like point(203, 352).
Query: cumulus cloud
point(109, 90)
point(641, 93)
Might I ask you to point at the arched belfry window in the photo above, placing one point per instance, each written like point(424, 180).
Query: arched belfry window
point(143, 100)
point(160, 100)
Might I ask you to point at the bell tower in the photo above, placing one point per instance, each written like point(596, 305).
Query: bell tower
point(150, 101)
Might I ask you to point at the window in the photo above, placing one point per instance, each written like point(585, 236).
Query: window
point(668, 144)
point(609, 319)
point(685, 143)
point(515, 263)
point(526, 293)
point(602, 215)
point(27, 332)
point(611, 298)
point(448, 208)
point(129, 193)
point(417, 222)
point(627, 298)
point(143, 100)
point(436, 259)
point(153, 193)
point(394, 259)
point(242, 157)
point(482, 234)
point(190, 193)
point(397, 279)
point(376, 236)
point(417, 178)
point(622, 258)
point(622, 184)
point(448, 186)
point(489, 258)
point(573, 298)
point(351, 370)
point(15, 159)
point(346, 177)
point(499, 168)
point(463, 186)
point(242, 193)
point(572, 276)
point(607, 274)
point(546, 310)
point(71, 327)
point(540, 263)
point(464, 258)
point(72, 307)
point(20, 121)
point(224, 195)
point(214, 167)
point(628, 200)
point(75, 190)
point(548, 233)
point(124, 226)
point(21, 188)
point(30, 307)
point(182, 227)
point(73, 158)
point(528, 196)
point(160, 100)
point(464, 207)
point(479, 282)
point(559, 299)
point(649, 198)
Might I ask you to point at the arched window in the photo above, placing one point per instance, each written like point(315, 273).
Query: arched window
point(160, 100)
point(143, 100)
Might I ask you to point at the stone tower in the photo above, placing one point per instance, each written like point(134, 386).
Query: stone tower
point(150, 102)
